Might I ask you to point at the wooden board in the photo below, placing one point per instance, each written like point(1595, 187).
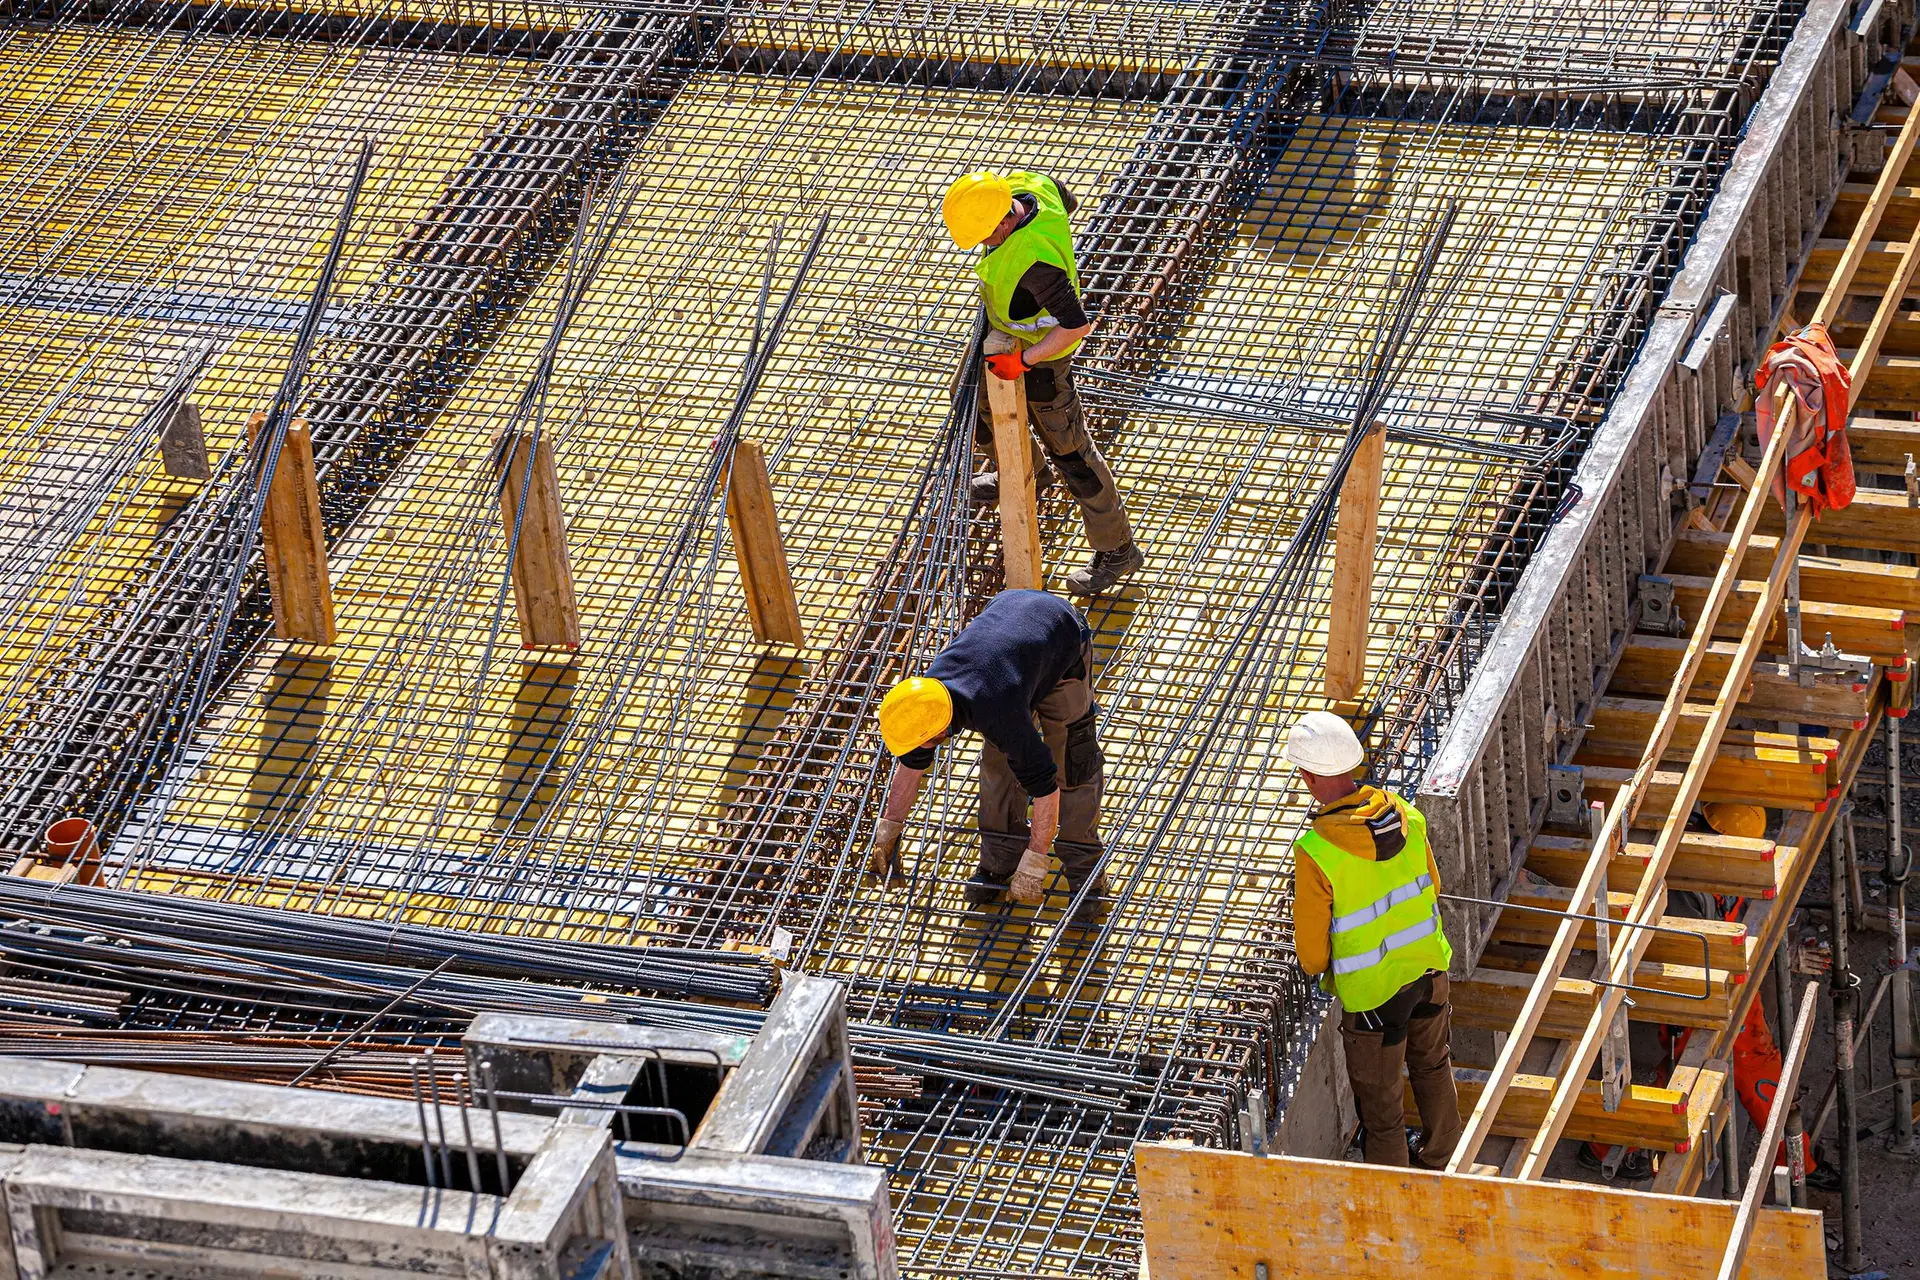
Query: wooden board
point(1019, 515)
point(294, 541)
point(542, 575)
point(1218, 1213)
point(757, 546)
point(1353, 553)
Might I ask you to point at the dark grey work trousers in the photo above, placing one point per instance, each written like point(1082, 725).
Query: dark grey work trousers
point(1054, 412)
point(1066, 716)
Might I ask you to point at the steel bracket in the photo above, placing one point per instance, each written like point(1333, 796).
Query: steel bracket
point(1656, 605)
point(1566, 795)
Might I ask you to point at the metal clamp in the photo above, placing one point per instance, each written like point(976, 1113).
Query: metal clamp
point(1656, 605)
point(1566, 794)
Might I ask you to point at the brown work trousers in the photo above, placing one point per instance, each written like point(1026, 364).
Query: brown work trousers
point(1422, 1047)
point(1053, 409)
point(1066, 718)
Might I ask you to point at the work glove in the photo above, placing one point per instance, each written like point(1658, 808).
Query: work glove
point(883, 859)
point(1029, 883)
point(1007, 366)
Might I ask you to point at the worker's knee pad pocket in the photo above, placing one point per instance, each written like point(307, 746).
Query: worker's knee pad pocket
point(1084, 759)
point(1080, 475)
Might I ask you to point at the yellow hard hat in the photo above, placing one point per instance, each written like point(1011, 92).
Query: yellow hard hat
point(1746, 820)
point(914, 713)
point(974, 205)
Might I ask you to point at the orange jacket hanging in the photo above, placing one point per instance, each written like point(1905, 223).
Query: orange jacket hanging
point(1819, 466)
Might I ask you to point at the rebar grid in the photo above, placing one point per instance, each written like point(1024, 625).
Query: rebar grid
point(1250, 217)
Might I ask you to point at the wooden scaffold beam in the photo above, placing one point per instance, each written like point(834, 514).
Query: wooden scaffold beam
point(760, 550)
point(1355, 537)
point(295, 540)
point(536, 533)
point(1019, 512)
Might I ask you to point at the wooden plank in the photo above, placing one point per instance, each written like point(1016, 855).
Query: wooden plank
point(1684, 995)
point(1707, 862)
point(1822, 578)
point(1726, 940)
point(1357, 525)
point(1869, 630)
point(1890, 301)
point(542, 575)
point(1747, 1219)
point(1864, 230)
point(1218, 1213)
point(1619, 723)
point(1655, 1118)
point(1019, 512)
point(759, 549)
point(1647, 664)
point(1883, 444)
point(294, 540)
point(1782, 788)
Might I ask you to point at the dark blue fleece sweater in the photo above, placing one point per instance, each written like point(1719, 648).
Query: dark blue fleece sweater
point(999, 668)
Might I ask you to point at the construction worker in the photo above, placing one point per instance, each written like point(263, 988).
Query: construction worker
point(1366, 911)
point(1027, 655)
point(1030, 288)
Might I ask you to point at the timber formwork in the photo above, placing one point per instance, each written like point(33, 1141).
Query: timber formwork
point(1258, 183)
point(1671, 551)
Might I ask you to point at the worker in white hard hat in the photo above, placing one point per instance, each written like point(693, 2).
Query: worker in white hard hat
point(1026, 658)
point(1366, 913)
point(1030, 288)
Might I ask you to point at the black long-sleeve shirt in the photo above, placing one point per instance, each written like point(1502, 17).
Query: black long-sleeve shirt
point(999, 668)
point(1043, 286)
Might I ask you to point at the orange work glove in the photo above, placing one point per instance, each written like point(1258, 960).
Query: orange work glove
point(1007, 365)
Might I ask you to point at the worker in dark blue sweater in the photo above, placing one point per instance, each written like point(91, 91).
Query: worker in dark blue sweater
point(1026, 657)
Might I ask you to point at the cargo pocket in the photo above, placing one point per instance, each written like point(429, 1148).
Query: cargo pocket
point(1081, 477)
point(1084, 759)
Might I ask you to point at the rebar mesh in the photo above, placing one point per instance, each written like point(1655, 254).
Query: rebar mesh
point(1256, 183)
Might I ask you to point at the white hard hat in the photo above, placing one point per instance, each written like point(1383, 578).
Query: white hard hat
point(1321, 742)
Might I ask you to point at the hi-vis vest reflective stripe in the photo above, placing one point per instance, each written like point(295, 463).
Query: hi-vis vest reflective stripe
point(1386, 915)
point(1046, 239)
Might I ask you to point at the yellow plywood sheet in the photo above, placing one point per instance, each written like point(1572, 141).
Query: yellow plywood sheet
point(1219, 1213)
point(587, 783)
point(165, 196)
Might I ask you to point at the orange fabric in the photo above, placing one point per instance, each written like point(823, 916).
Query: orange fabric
point(1756, 1073)
point(1819, 465)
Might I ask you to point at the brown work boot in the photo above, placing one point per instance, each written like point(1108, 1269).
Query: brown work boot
point(985, 487)
point(1105, 569)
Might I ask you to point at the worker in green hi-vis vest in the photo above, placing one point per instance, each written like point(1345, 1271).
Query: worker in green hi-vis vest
point(1030, 288)
point(1366, 910)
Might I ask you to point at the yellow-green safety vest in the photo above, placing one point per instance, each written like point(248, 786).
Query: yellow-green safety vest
point(1386, 915)
point(1047, 239)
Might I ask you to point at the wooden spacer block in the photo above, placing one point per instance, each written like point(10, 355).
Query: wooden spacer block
point(183, 446)
point(1355, 530)
point(1019, 512)
point(295, 541)
point(542, 575)
point(759, 549)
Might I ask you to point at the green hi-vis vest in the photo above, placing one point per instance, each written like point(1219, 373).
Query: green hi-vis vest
point(1386, 916)
point(1045, 239)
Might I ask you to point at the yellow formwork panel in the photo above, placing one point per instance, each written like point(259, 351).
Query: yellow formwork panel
point(159, 196)
point(1294, 301)
point(397, 763)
